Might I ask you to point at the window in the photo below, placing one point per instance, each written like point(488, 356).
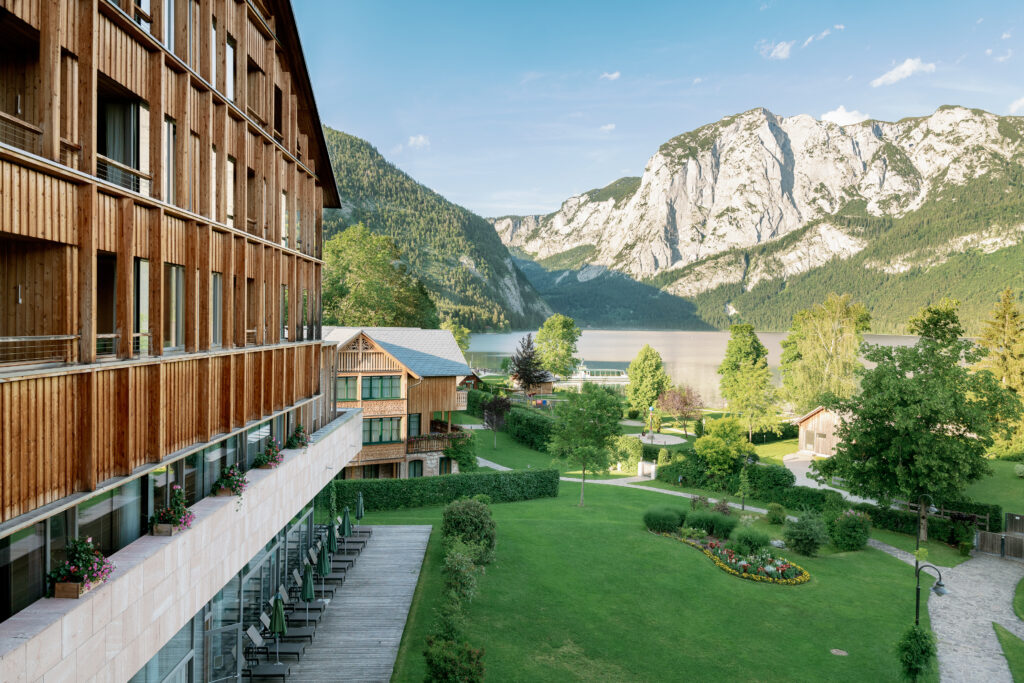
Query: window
point(216, 309)
point(113, 519)
point(140, 343)
point(213, 53)
point(229, 73)
point(371, 471)
point(382, 430)
point(174, 306)
point(120, 136)
point(444, 466)
point(22, 569)
point(415, 468)
point(388, 386)
point(278, 109)
point(284, 218)
point(414, 424)
point(345, 388)
point(170, 166)
point(230, 189)
point(213, 182)
point(284, 311)
point(143, 14)
point(169, 25)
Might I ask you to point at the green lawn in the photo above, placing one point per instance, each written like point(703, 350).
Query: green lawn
point(1002, 487)
point(588, 594)
point(773, 453)
point(938, 553)
point(461, 418)
point(511, 453)
point(717, 495)
point(1013, 650)
point(1018, 600)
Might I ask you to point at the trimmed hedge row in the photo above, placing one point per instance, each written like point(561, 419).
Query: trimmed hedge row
point(392, 494)
point(475, 400)
point(529, 427)
point(765, 480)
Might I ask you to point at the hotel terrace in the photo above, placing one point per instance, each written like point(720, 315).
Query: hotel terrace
point(162, 175)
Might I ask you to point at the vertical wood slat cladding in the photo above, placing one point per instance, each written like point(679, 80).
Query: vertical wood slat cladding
point(36, 205)
point(41, 270)
point(26, 10)
point(106, 223)
point(120, 57)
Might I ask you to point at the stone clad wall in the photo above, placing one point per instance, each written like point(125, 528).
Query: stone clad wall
point(161, 582)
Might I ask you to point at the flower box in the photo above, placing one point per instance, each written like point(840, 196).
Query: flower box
point(71, 591)
point(165, 529)
point(223, 491)
point(267, 467)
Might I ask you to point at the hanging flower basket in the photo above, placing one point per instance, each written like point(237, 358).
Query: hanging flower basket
point(85, 568)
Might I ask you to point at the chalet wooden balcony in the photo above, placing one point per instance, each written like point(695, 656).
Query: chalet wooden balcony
point(127, 177)
point(461, 400)
point(433, 442)
point(20, 133)
point(59, 348)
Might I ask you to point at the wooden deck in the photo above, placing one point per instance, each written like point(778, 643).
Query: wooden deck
point(358, 638)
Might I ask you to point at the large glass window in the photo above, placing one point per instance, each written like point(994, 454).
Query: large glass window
point(216, 309)
point(213, 54)
point(229, 190)
point(256, 442)
point(345, 388)
point(371, 471)
point(22, 569)
point(141, 340)
point(113, 519)
point(284, 218)
point(414, 424)
point(229, 74)
point(170, 167)
point(382, 430)
point(169, 25)
point(382, 387)
point(174, 306)
point(415, 468)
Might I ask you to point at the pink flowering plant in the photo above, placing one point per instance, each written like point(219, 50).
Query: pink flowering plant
point(233, 479)
point(85, 565)
point(271, 455)
point(298, 439)
point(177, 513)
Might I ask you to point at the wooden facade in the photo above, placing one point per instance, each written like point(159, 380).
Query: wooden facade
point(162, 180)
point(818, 432)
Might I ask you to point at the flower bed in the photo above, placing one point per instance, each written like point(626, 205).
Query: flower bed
point(763, 566)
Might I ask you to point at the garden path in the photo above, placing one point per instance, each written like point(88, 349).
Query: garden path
point(980, 593)
point(800, 466)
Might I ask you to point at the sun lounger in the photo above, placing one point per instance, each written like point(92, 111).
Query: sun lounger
point(294, 632)
point(272, 650)
point(337, 574)
point(289, 604)
point(326, 591)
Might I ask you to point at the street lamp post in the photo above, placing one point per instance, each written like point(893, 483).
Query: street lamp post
point(939, 589)
point(650, 422)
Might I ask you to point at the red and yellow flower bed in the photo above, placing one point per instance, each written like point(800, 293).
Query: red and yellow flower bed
point(764, 567)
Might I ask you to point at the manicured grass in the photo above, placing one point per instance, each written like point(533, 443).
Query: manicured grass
point(1013, 650)
point(1002, 487)
point(511, 453)
point(588, 594)
point(773, 452)
point(461, 418)
point(1018, 600)
point(717, 495)
point(938, 553)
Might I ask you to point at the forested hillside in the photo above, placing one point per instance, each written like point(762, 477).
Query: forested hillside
point(458, 256)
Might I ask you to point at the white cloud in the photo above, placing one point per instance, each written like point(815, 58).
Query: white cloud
point(698, 80)
point(839, 27)
point(613, 76)
point(980, 20)
point(1006, 35)
point(775, 50)
point(824, 34)
point(608, 127)
point(1006, 57)
point(1017, 105)
point(988, 52)
point(842, 117)
point(905, 70)
point(418, 141)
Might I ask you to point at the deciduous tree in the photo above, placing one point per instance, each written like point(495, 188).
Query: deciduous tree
point(647, 379)
point(683, 403)
point(460, 332)
point(586, 424)
point(556, 344)
point(495, 411)
point(722, 446)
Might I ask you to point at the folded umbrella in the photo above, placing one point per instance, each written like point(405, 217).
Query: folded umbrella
point(308, 594)
point(278, 624)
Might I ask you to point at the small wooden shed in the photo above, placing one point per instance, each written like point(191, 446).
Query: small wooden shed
point(818, 432)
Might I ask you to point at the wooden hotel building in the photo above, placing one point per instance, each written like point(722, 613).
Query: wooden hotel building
point(162, 179)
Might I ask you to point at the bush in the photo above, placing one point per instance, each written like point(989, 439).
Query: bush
point(765, 478)
point(1018, 469)
point(916, 651)
point(449, 660)
point(776, 514)
point(475, 400)
point(805, 535)
point(529, 427)
point(459, 570)
point(722, 507)
point(698, 428)
point(663, 519)
point(749, 540)
point(393, 494)
point(632, 414)
point(994, 512)
point(699, 502)
point(665, 458)
point(469, 521)
point(716, 524)
point(850, 531)
point(693, 532)
point(803, 498)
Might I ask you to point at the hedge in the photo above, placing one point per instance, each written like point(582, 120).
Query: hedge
point(529, 427)
point(393, 494)
point(475, 400)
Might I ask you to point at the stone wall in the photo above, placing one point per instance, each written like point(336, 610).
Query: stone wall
point(160, 582)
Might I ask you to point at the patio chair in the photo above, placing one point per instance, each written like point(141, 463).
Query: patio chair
point(339, 560)
point(366, 531)
point(326, 591)
point(272, 650)
point(294, 632)
point(299, 605)
point(337, 574)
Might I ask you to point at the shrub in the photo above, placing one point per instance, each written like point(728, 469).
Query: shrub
point(632, 414)
point(693, 532)
point(994, 512)
point(765, 478)
point(965, 549)
point(850, 531)
point(1018, 469)
point(698, 428)
point(682, 512)
point(482, 498)
point(805, 535)
point(393, 494)
point(665, 458)
point(449, 660)
point(662, 520)
point(469, 521)
point(803, 497)
point(749, 540)
point(716, 524)
point(475, 400)
point(776, 514)
point(459, 570)
point(916, 651)
point(656, 423)
point(722, 507)
point(529, 427)
point(699, 503)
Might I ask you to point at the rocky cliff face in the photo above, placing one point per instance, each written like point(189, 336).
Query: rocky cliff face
point(755, 177)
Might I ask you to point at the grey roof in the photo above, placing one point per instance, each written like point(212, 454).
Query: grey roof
point(428, 353)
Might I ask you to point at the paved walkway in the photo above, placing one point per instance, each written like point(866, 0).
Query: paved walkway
point(358, 638)
point(800, 465)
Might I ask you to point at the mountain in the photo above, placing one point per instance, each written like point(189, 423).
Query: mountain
point(461, 261)
point(756, 216)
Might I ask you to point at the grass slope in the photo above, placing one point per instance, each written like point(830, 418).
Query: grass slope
point(1013, 650)
point(588, 594)
point(1002, 487)
point(1018, 600)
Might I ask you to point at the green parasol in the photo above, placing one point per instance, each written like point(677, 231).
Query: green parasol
point(359, 507)
point(346, 528)
point(323, 566)
point(332, 538)
point(278, 624)
point(308, 594)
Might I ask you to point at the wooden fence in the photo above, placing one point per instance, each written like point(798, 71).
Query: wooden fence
point(1004, 545)
point(1014, 523)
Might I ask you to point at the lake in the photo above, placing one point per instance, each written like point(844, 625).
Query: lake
point(690, 357)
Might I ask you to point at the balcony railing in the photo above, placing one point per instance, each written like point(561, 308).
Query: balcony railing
point(125, 176)
point(433, 442)
point(45, 349)
point(461, 400)
point(22, 134)
point(140, 344)
point(106, 345)
point(250, 337)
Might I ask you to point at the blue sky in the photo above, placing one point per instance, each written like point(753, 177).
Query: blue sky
point(513, 107)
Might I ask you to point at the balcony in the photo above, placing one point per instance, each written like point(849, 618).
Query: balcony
point(434, 442)
point(120, 174)
point(20, 133)
point(461, 400)
point(59, 348)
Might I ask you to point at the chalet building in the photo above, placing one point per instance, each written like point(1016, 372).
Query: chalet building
point(400, 378)
point(545, 386)
point(162, 175)
point(818, 432)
